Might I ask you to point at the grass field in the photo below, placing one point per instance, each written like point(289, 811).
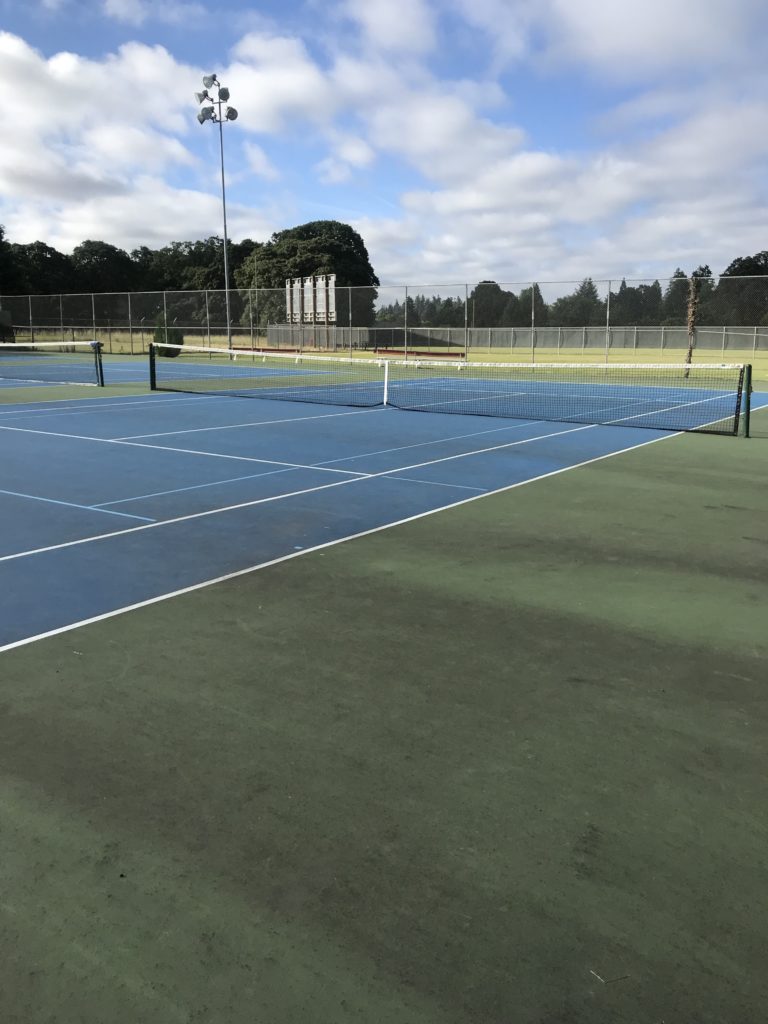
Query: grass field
point(504, 764)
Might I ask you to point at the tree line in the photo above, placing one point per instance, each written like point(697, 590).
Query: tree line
point(721, 302)
point(319, 247)
point(332, 247)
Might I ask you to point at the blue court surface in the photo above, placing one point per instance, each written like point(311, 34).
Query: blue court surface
point(118, 501)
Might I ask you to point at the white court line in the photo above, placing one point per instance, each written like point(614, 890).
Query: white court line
point(670, 408)
point(281, 497)
point(318, 547)
point(71, 504)
point(440, 440)
point(436, 483)
point(252, 423)
point(317, 465)
point(83, 406)
point(194, 487)
point(183, 451)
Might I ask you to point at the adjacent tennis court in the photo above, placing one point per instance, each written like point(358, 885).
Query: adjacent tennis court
point(386, 715)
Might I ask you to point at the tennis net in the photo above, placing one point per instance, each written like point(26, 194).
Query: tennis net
point(667, 397)
point(52, 363)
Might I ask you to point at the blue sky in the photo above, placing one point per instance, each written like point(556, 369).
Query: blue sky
point(464, 139)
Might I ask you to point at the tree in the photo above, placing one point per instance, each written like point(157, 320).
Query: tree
point(584, 308)
point(48, 271)
point(743, 303)
point(748, 266)
point(651, 301)
point(540, 308)
point(13, 280)
point(674, 307)
point(319, 247)
point(101, 267)
point(487, 304)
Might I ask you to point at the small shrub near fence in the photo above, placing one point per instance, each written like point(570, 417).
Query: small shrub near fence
point(164, 336)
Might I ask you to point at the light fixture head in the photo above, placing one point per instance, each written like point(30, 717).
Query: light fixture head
point(201, 97)
point(223, 93)
point(206, 114)
point(209, 80)
point(231, 114)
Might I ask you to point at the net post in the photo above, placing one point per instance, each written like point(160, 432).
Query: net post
point(747, 397)
point(386, 382)
point(152, 368)
point(99, 363)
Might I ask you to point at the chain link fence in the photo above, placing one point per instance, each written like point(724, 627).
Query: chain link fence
point(720, 319)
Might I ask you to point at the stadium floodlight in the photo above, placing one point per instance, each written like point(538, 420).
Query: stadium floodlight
point(219, 116)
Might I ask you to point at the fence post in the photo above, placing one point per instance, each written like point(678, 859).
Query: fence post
point(250, 314)
point(31, 328)
point(61, 317)
point(608, 322)
point(130, 321)
point(533, 322)
point(754, 340)
point(93, 314)
point(349, 317)
point(722, 349)
point(466, 321)
point(662, 337)
point(207, 318)
point(405, 322)
point(165, 319)
point(634, 339)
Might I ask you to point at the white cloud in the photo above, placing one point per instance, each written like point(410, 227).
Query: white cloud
point(150, 213)
point(399, 25)
point(281, 82)
point(131, 12)
point(259, 162)
point(623, 39)
point(136, 12)
point(676, 175)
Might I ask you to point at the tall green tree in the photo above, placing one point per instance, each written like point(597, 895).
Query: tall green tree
point(540, 308)
point(487, 304)
point(319, 247)
point(743, 303)
point(48, 271)
point(13, 280)
point(584, 308)
point(102, 267)
point(674, 306)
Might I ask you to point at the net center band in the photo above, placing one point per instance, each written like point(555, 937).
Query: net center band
point(691, 397)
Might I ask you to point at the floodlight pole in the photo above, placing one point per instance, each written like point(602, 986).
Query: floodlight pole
point(224, 212)
point(209, 114)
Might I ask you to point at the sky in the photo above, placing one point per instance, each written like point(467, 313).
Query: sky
point(466, 140)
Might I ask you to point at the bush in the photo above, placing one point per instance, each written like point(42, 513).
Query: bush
point(167, 336)
point(6, 327)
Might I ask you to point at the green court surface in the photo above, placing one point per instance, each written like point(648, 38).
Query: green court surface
point(501, 764)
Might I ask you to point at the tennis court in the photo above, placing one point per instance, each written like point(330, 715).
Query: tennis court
point(329, 709)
